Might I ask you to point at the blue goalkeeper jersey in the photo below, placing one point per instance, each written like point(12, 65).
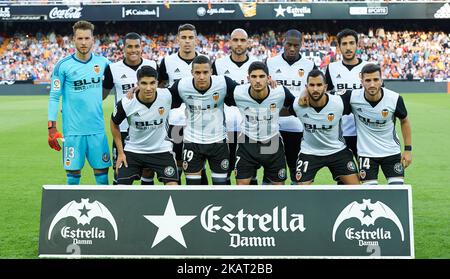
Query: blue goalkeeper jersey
point(80, 85)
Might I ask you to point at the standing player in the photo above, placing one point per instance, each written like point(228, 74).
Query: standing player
point(78, 80)
point(235, 66)
point(205, 132)
point(376, 110)
point(172, 68)
point(121, 75)
point(147, 145)
point(261, 144)
point(322, 144)
point(344, 75)
point(291, 69)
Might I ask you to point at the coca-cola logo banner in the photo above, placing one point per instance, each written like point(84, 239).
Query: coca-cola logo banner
point(69, 13)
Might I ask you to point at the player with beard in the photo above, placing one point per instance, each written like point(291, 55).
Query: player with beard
point(236, 67)
point(323, 144)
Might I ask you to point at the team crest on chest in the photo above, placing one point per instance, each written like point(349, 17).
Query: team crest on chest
point(273, 107)
point(97, 69)
point(301, 72)
point(384, 113)
point(330, 117)
point(161, 111)
point(215, 97)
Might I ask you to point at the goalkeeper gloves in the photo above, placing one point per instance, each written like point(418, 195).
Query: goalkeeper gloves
point(53, 136)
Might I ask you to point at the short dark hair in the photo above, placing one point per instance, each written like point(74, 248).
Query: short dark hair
point(316, 73)
point(258, 65)
point(83, 25)
point(345, 33)
point(370, 68)
point(201, 59)
point(293, 33)
point(187, 26)
point(147, 71)
point(132, 36)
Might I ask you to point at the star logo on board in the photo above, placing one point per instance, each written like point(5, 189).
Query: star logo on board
point(169, 224)
point(280, 11)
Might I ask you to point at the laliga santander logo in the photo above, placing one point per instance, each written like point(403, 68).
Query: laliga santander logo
point(367, 213)
point(83, 212)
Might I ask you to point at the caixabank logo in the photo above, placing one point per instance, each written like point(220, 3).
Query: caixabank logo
point(376, 224)
point(83, 223)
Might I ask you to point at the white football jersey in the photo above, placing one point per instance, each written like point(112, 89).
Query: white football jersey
point(294, 78)
point(124, 79)
point(260, 117)
point(344, 77)
point(205, 113)
point(148, 125)
point(226, 66)
point(322, 135)
point(177, 68)
point(375, 123)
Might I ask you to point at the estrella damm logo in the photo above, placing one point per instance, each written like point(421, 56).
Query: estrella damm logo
point(330, 117)
point(384, 113)
point(161, 111)
point(215, 97)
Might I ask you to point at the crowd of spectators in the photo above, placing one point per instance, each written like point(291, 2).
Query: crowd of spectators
point(401, 54)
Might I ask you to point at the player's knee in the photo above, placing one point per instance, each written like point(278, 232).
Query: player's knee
point(73, 178)
point(219, 178)
point(193, 179)
point(101, 178)
point(370, 182)
point(147, 180)
point(396, 181)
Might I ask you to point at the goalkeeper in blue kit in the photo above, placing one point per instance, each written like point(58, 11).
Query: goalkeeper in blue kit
point(78, 80)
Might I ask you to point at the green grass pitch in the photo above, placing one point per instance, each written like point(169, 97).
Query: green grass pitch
point(27, 163)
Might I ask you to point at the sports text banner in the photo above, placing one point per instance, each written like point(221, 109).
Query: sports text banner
point(227, 221)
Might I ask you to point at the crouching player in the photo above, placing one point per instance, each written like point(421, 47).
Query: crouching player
point(147, 145)
point(323, 144)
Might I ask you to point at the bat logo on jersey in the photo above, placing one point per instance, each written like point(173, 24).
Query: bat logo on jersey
point(68, 163)
point(161, 111)
point(384, 113)
point(97, 69)
point(298, 175)
point(273, 107)
point(367, 213)
point(215, 97)
point(83, 212)
point(301, 72)
point(330, 117)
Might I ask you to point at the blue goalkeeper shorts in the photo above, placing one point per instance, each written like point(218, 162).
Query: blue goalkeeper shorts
point(94, 147)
